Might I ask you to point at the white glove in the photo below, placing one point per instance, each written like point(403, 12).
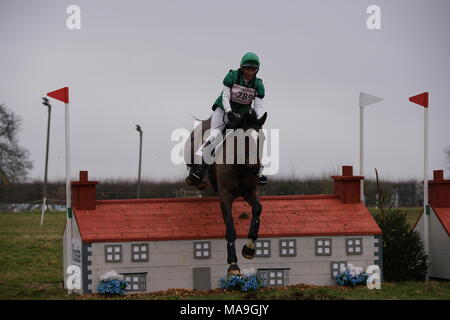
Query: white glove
point(258, 107)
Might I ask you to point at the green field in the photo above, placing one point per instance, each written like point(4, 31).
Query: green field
point(31, 268)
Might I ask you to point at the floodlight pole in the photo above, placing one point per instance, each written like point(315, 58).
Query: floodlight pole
point(44, 205)
point(361, 151)
point(138, 128)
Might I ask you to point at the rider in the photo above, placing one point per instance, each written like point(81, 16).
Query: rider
point(241, 87)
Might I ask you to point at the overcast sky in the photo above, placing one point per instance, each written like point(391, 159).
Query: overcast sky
point(161, 63)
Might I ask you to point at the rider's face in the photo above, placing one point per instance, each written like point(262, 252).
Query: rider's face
point(249, 73)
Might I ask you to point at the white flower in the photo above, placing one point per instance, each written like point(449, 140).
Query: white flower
point(110, 275)
point(359, 270)
point(246, 273)
point(354, 271)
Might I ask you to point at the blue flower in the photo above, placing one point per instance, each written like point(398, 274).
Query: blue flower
point(112, 287)
point(240, 283)
point(346, 278)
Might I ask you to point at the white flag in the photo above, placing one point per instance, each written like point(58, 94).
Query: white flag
point(366, 99)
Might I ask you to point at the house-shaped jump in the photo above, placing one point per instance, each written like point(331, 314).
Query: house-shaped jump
point(439, 226)
point(159, 244)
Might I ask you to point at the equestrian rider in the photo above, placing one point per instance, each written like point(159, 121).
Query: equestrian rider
point(241, 87)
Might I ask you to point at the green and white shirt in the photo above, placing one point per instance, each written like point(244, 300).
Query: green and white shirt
point(242, 93)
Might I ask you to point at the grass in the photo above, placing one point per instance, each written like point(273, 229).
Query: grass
point(431, 290)
point(31, 255)
point(31, 268)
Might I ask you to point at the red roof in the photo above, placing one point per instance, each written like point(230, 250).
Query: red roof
point(201, 218)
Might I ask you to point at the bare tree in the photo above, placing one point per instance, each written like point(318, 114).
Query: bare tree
point(381, 197)
point(14, 159)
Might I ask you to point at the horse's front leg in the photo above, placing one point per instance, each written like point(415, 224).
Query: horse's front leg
point(248, 251)
point(226, 203)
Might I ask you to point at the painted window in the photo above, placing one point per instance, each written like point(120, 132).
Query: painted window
point(113, 253)
point(135, 282)
point(354, 246)
point(262, 248)
point(323, 247)
point(76, 255)
point(202, 250)
point(288, 247)
point(139, 252)
point(274, 277)
point(336, 266)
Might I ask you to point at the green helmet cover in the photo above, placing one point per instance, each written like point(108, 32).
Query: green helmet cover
point(250, 60)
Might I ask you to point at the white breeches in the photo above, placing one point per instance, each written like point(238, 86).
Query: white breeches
point(218, 121)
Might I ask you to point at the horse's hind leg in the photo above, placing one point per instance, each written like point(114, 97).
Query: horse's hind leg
point(226, 203)
point(248, 251)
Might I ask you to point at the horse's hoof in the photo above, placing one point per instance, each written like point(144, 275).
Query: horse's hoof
point(248, 253)
point(233, 270)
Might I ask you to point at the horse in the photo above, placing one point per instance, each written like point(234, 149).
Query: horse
point(235, 180)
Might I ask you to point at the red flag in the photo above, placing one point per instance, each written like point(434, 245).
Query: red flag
point(421, 99)
point(60, 94)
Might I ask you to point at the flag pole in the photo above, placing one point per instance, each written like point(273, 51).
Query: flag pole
point(422, 100)
point(365, 99)
point(68, 193)
point(63, 95)
point(425, 187)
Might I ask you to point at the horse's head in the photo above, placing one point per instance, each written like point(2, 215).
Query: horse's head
point(250, 120)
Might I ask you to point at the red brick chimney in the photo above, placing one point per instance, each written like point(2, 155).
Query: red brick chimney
point(439, 190)
point(347, 186)
point(83, 193)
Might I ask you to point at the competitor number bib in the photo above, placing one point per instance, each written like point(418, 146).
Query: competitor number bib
point(242, 95)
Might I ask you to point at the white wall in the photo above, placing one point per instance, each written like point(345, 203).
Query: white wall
point(75, 236)
point(171, 263)
point(439, 249)
point(439, 246)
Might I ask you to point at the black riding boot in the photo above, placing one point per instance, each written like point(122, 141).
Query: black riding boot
point(262, 180)
point(197, 174)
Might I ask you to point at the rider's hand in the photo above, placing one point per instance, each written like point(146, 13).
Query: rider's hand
point(231, 116)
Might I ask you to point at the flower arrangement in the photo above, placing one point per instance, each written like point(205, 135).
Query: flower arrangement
point(245, 282)
point(351, 276)
point(112, 283)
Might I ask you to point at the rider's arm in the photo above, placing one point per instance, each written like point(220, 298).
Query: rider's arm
point(226, 96)
point(258, 107)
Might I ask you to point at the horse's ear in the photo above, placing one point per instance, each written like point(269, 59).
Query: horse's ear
point(262, 119)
